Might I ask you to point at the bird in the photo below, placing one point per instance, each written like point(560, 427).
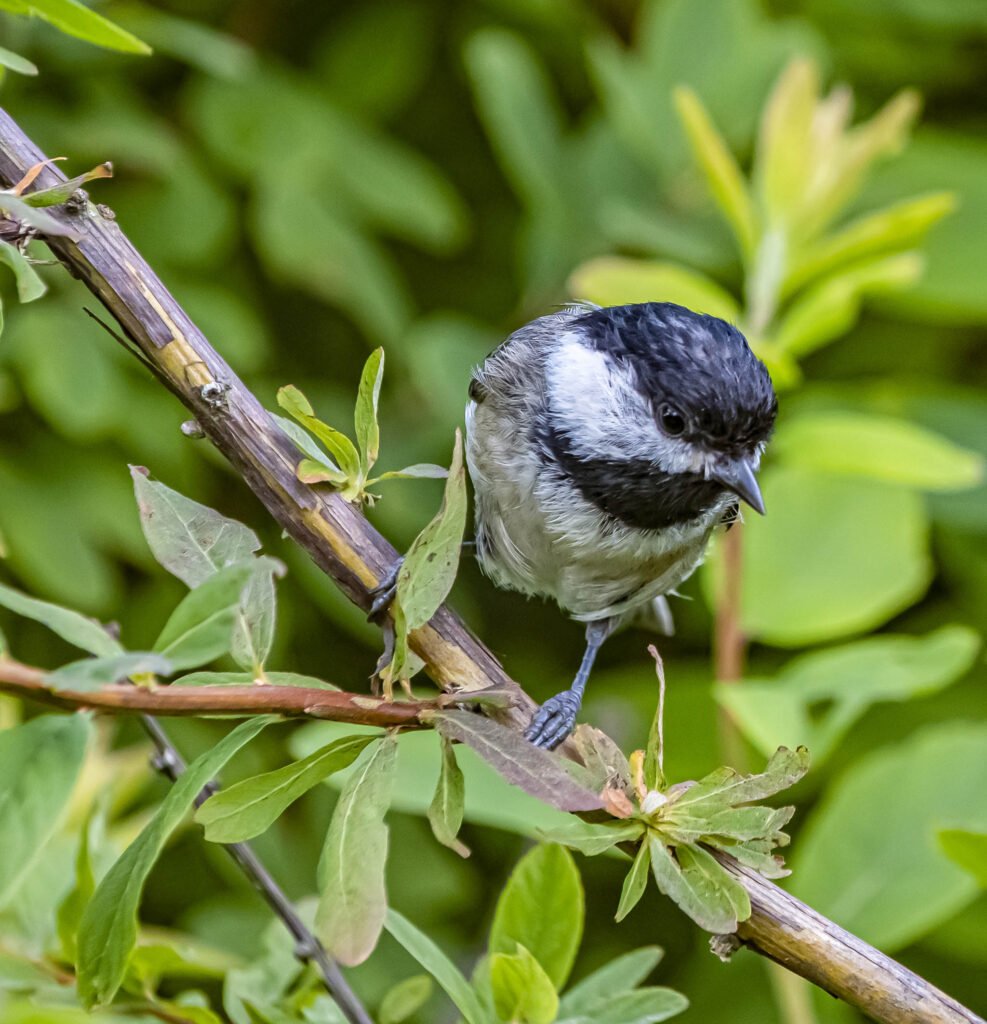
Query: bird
point(604, 446)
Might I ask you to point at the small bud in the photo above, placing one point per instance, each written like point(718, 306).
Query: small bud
point(652, 801)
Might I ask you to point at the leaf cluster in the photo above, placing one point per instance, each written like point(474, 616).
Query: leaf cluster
point(532, 945)
point(339, 461)
point(675, 830)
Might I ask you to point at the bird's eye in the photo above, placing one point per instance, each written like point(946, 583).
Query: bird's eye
point(671, 420)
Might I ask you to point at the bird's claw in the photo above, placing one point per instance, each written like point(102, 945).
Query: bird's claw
point(554, 721)
point(382, 596)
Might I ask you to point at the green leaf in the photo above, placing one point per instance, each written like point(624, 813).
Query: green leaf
point(723, 176)
point(429, 568)
point(869, 846)
point(305, 443)
point(785, 156)
point(898, 226)
point(55, 195)
point(643, 1006)
point(617, 280)
point(522, 991)
point(365, 418)
point(92, 673)
point(39, 764)
point(194, 542)
point(738, 824)
point(542, 909)
point(699, 886)
point(445, 972)
point(635, 881)
point(16, 62)
point(196, 44)
point(885, 134)
point(407, 996)
point(201, 628)
point(340, 447)
point(728, 788)
point(830, 308)
point(246, 678)
point(445, 813)
point(253, 629)
point(309, 471)
point(76, 629)
point(846, 681)
point(191, 541)
point(592, 840)
point(250, 807)
point(265, 980)
point(29, 285)
point(71, 909)
point(868, 558)
point(353, 900)
point(968, 849)
point(536, 771)
point(594, 992)
point(515, 101)
point(420, 471)
point(19, 209)
point(108, 930)
point(879, 447)
point(77, 20)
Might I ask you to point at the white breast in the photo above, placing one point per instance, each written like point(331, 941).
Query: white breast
point(538, 535)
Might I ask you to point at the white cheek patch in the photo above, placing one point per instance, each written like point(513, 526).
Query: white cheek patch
point(595, 403)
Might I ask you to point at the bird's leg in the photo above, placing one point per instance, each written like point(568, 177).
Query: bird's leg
point(557, 716)
point(382, 596)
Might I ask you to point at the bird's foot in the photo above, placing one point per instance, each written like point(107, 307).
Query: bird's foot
point(382, 596)
point(555, 720)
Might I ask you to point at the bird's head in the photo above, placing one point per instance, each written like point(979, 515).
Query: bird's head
point(656, 385)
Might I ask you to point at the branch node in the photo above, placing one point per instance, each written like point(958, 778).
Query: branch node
point(724, 946)
point(193, 429)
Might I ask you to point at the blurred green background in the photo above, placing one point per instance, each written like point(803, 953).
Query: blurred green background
point(314, 180)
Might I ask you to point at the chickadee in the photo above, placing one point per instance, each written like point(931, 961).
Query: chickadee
point(604, 446)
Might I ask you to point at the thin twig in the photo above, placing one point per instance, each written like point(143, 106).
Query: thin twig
point(347, 547)
point(235, 701)
point(308, 949)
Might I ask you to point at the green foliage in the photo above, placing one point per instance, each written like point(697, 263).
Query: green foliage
point(533, 941)
point(248, 808)
point(888, 811)
point(72, 627)
point(445, 812)
point(676, 826)
point(284, 193)
point(541, 909)
point(968, 849)
point(844, 682)
point(39, 764)
point(428, 571)
point(108, 929)
point(351, 872)
point(347, 465)
point(215, 557)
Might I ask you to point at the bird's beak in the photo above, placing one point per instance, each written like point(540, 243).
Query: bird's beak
point(739, 477)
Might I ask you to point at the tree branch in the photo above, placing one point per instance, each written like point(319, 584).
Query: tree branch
point(349, 549)
point(237, 701)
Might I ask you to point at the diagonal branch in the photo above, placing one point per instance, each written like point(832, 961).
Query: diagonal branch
point(343, 544)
